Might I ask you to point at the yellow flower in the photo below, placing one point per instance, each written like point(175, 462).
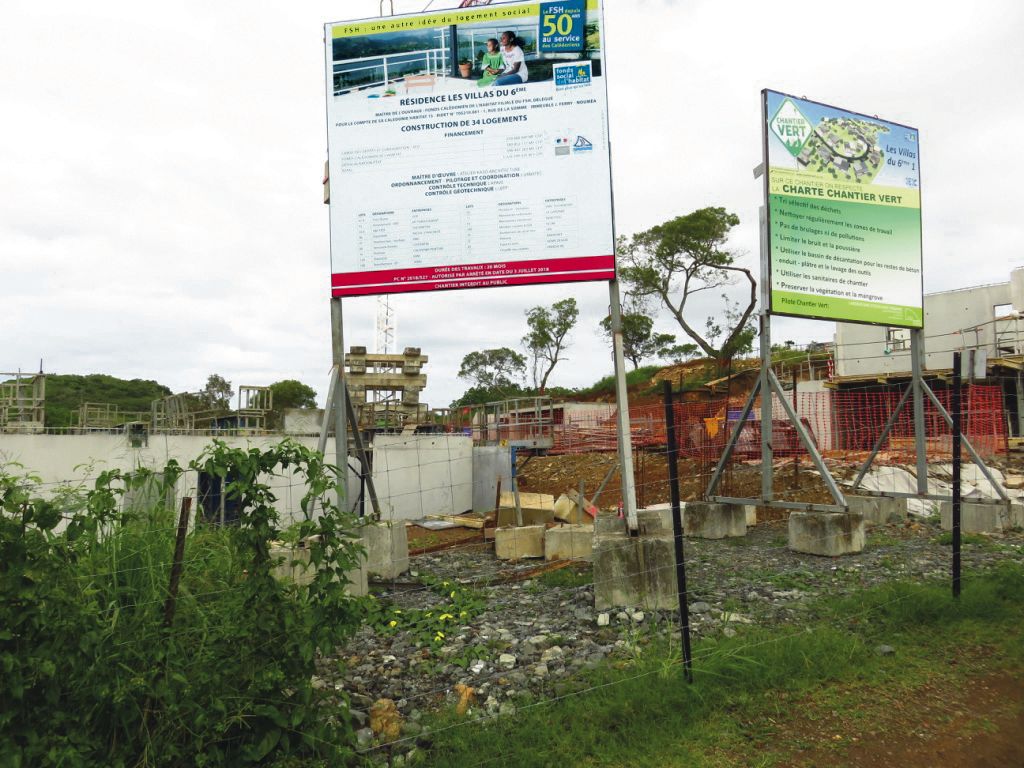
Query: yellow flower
point(444, 583)
point(392, 623)
point(440, 635)
point(397, 611)
point(463, 615)
point(445, 616)
point(453, 594)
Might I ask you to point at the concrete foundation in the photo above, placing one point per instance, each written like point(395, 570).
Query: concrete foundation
point(706, 520)
point(634, 571)
point(491, 463)
point(982, 518)
point(607, 523)
point(387, 549)
point(569, 542)
point(419, 475)
point(298, 569)
point(829, 534)
point(517, 543)
point(878, 510)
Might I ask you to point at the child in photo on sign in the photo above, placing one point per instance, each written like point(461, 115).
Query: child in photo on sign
point(515, 72)
point(493, 63)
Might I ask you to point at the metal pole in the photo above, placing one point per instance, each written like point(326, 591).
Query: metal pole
point(796, 458)
point(882, 437)
point(332, 387)
point(967, 444)
point(766, 366)
point(364, 463)
point(340, 391)
point(677, 529)
point(955, 406)
point(716, 477)
point(622, 405)
point(917, 382)
point(805, 438)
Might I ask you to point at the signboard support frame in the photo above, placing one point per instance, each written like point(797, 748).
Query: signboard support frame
point(767, 385)
point(625, 433)
point(919, 388)
point(337, 388)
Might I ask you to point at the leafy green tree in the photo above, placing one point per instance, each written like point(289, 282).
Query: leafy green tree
point(217, 393)
point(546, 340)
point(289, 393)
point(499, 369)
point(638, 338)
point(686, 256)
point(678, 353)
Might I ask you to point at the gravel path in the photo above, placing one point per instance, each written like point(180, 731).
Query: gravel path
point(534, 634)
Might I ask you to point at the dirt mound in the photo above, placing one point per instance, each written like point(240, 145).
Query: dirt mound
point(557, 474)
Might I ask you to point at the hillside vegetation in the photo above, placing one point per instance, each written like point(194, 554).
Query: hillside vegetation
point(66, 392)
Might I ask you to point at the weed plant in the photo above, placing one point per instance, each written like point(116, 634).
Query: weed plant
point(91, 671)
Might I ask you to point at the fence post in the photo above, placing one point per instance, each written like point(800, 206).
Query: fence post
point(677, 529)
point(179, 556)
point(955, 408)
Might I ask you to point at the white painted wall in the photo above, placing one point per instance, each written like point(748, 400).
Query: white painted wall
point(418, 475)
point(65, 459)
point(954, 321)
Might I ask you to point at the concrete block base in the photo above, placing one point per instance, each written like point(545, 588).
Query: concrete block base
point(982, 518)
point(878, 510)
point(387, 549)
point(297, 568)
point(631, 571)
point(517, 543)
point(531, 516)
point(705, 520)
point(751, 511)
point(609, 523)
point(829, 534)
point(569, 542)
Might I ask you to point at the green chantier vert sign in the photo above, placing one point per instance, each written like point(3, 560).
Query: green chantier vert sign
point(844, 214)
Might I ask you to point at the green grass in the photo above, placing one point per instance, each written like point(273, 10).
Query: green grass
point(570, 576)
point(946, 538)
point(641, 713)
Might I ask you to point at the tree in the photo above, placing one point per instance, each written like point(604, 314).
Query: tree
point(680, 352)
point(498, 369)
point(288, 393)
point(683, 257)
point(638, 338)
point(546, 340)
point(217, 393)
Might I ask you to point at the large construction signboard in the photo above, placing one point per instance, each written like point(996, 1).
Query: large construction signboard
point(844, 214)
point(469, 148)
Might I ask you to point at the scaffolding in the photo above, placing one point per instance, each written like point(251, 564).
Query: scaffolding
point(385, 389)
point(23, 402)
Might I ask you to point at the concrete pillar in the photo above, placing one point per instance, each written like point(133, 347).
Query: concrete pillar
point(829, 534)
point(635, 571)
point(387, 548)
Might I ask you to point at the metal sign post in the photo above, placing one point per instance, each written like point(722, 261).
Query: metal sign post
point(625, 433)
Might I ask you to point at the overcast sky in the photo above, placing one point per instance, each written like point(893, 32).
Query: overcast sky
point(161, 212)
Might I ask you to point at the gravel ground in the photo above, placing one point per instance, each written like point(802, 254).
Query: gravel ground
point(534, 634)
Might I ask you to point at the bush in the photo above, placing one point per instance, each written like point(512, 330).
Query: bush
point(91, 673)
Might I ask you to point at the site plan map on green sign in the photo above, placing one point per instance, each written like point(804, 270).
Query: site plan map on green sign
point(844, 212)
